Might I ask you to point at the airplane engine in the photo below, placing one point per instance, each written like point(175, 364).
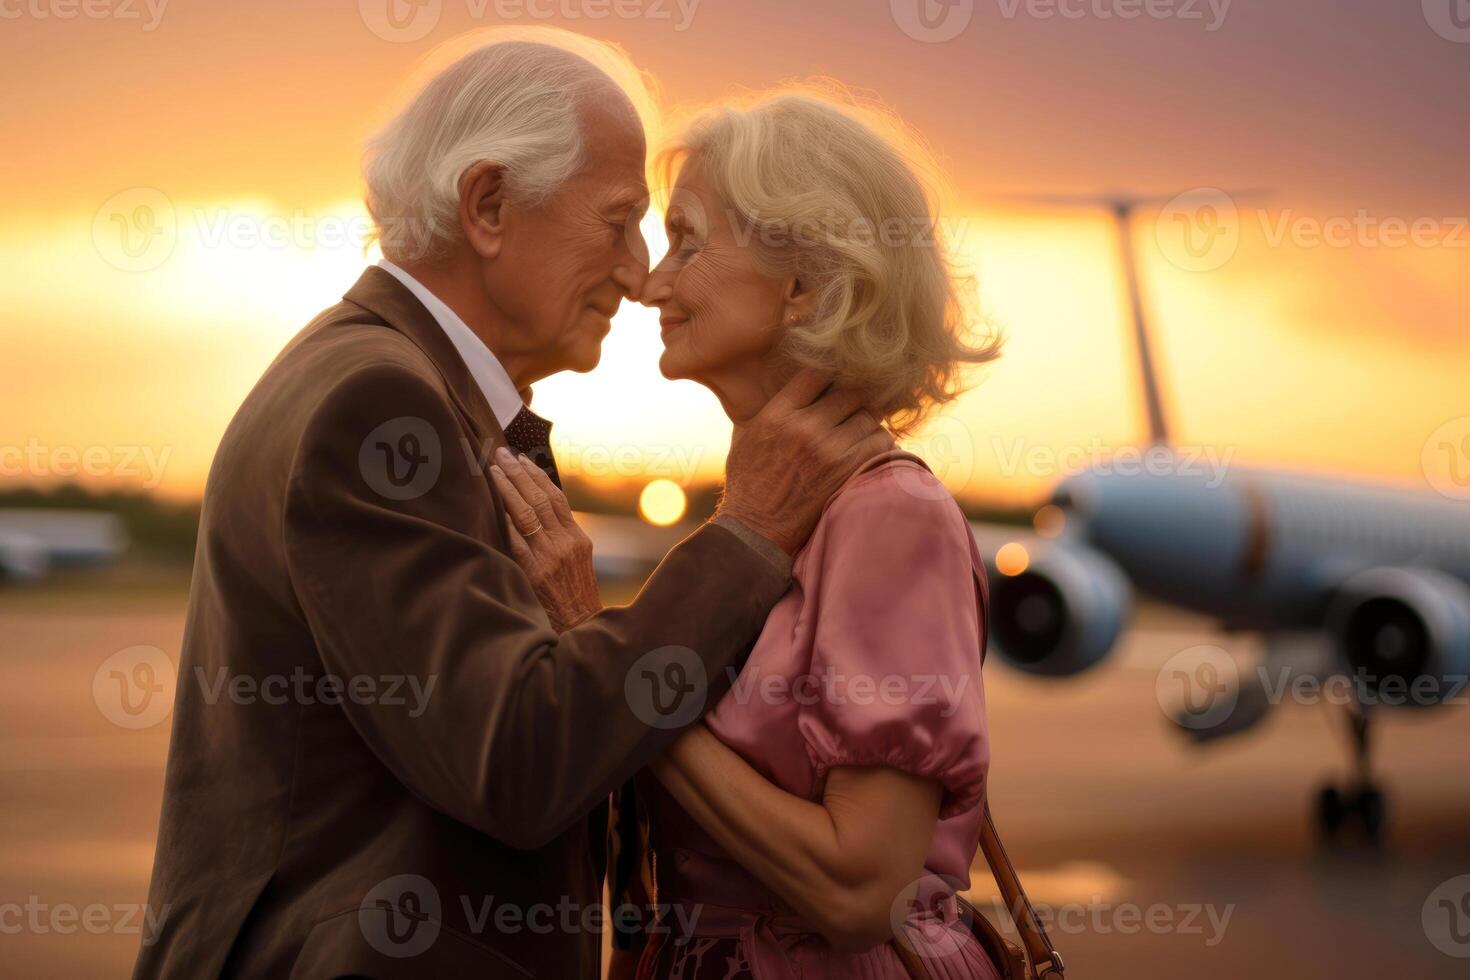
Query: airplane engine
point(1062, 614)
point(1404, 633)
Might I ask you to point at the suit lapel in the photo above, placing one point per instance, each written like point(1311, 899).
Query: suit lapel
point(381, 294)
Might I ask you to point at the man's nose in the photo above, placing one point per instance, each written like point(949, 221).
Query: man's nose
point(632, 277)
point(632, 270)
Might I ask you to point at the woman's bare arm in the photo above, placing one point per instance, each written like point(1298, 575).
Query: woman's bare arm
point(841, 863)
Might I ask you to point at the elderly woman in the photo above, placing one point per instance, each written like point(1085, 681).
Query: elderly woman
point(818, 821)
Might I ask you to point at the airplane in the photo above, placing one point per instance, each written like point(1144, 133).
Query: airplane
point(35, 541)
point(1344, 580)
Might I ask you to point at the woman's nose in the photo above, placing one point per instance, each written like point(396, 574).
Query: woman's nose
point(657, 288)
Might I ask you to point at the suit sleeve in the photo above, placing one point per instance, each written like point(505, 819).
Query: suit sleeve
point(397, 553)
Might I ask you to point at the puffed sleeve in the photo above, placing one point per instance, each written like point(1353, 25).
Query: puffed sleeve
point(896, 643)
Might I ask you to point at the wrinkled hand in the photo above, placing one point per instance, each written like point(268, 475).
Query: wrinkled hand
point(546, 542)
point(794, 454)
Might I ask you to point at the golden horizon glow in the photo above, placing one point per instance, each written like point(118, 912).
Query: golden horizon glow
point(182, 343)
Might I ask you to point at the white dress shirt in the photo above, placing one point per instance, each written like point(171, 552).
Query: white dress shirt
point(505, 401)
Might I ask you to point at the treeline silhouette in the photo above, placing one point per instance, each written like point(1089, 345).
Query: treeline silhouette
point(156, 527)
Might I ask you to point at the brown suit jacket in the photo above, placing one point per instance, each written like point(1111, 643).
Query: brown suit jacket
point(366, 826)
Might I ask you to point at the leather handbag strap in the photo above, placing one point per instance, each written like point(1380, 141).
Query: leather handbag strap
point(1042, 958)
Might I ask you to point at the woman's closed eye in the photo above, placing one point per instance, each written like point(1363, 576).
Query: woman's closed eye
point(683, 245)
point(684, 248)
point(684, 242)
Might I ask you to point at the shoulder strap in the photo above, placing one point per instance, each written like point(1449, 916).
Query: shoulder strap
point(1045, 962)
point(1041, 955)
point(1043, 959)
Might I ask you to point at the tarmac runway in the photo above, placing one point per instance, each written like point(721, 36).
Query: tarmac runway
point(1149, 857)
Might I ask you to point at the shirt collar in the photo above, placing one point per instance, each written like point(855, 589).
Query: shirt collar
point(500, 392)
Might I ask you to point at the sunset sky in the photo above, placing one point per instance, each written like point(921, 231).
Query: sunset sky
point(1320, 337)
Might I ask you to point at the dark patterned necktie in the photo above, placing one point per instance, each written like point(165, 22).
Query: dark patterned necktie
point(530, 434)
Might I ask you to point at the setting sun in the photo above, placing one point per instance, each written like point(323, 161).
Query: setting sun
point(661, 503)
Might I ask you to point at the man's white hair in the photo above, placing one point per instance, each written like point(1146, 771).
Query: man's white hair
point(514, 99)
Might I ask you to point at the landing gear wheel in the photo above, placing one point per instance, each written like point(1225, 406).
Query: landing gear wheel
point(1331, 811)
point(1373, 809)
point(1362, 801)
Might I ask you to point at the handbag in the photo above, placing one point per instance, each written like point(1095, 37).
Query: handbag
point(1035, 959)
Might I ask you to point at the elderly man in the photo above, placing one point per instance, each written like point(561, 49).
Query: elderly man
point(387, 759)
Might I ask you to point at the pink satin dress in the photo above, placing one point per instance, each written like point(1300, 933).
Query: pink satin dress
point(872, 659)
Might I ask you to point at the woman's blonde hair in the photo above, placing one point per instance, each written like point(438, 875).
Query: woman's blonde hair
point(836, 191)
